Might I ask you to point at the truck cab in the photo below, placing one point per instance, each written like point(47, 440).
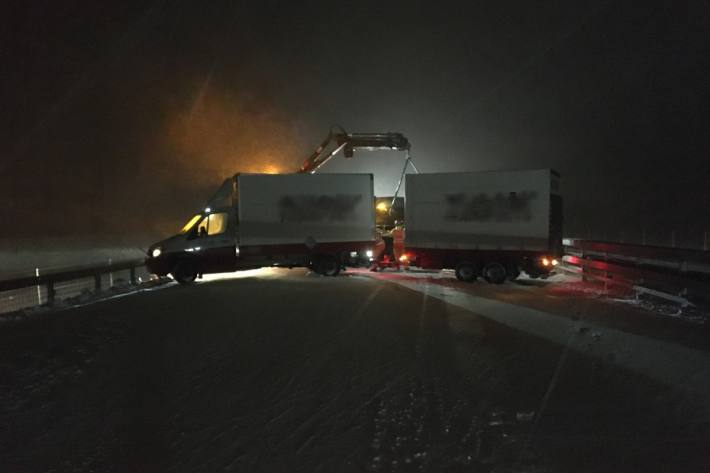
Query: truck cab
point(207, 243)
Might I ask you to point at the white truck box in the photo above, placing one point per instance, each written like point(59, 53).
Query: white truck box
point(492, 210)
point(310, 209)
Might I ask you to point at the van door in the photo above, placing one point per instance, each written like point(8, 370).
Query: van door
point(213, 244)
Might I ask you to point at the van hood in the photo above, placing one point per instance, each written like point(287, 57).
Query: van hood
point(170, 244)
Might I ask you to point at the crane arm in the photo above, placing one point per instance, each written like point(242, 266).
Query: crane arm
point(349, 143)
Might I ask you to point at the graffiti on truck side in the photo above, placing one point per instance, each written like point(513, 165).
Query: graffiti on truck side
point(318, 208)
point(500, 207)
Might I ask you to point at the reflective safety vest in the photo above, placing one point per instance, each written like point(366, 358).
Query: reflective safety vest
point(397, 234)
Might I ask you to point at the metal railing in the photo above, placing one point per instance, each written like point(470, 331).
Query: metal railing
point(679, 275)
point(675, 274)
point(49, 288)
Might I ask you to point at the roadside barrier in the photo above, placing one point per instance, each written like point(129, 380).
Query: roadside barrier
point(679, 275)
point(47, 289)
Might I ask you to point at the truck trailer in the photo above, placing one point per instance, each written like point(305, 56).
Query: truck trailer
point(285, 220)
point(491, 224)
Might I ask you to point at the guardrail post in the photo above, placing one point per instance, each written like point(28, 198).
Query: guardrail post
point(39, 290)
point(50, 293)
point(97, 282)
point(133, 275)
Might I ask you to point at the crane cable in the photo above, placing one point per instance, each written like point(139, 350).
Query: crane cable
point(407, 161)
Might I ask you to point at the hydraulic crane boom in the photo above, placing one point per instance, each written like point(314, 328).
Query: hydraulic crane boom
point(349, 142)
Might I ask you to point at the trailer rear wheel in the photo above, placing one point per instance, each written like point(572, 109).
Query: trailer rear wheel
point(494, 273)
point(328, 265)
point(185, 272)
point(465, 272)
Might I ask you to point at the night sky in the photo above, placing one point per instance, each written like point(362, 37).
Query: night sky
point(121, 119)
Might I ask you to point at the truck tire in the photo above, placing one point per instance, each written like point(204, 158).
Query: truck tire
point(465, 272)
point(185, 272)
point(494, 273)
point(513, 273)
point(328, 265)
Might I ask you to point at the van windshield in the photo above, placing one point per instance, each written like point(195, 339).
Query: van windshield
point(190, 224)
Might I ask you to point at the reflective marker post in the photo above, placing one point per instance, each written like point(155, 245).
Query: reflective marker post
point(39, 290)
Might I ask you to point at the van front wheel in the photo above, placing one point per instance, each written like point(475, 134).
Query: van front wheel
point(185, 272)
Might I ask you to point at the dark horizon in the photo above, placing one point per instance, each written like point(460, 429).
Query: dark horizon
point(120, 119)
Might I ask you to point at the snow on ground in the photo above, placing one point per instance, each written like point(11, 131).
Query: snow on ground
point(689, 314)
point(274, 370)
point(567, 284)
point(665, 362)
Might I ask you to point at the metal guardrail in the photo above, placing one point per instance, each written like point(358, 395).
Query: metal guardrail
point(675, 274)
point(79, 279)
point(679, 275)
point(676, 259)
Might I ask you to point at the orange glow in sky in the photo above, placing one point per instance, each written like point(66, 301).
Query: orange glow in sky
point(220, 136)
point(271, 169)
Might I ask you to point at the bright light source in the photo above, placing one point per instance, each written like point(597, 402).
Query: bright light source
point(271, 169)
point(382, 207)
point(555, 262)
point(404, 257)
point(545, 262)
point(208, 210)
point(368, 253)
point(156, 252)
point(353, 254)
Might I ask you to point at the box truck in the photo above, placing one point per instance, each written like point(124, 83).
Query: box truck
point(489, 224)
point(287, 220)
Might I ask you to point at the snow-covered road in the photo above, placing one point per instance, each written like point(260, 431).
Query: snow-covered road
point(278, 370)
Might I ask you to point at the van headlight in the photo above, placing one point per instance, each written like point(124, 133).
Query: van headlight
point(156, 252)
point(368, 253)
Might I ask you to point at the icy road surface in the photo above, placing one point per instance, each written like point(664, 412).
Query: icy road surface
point(279, 370)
